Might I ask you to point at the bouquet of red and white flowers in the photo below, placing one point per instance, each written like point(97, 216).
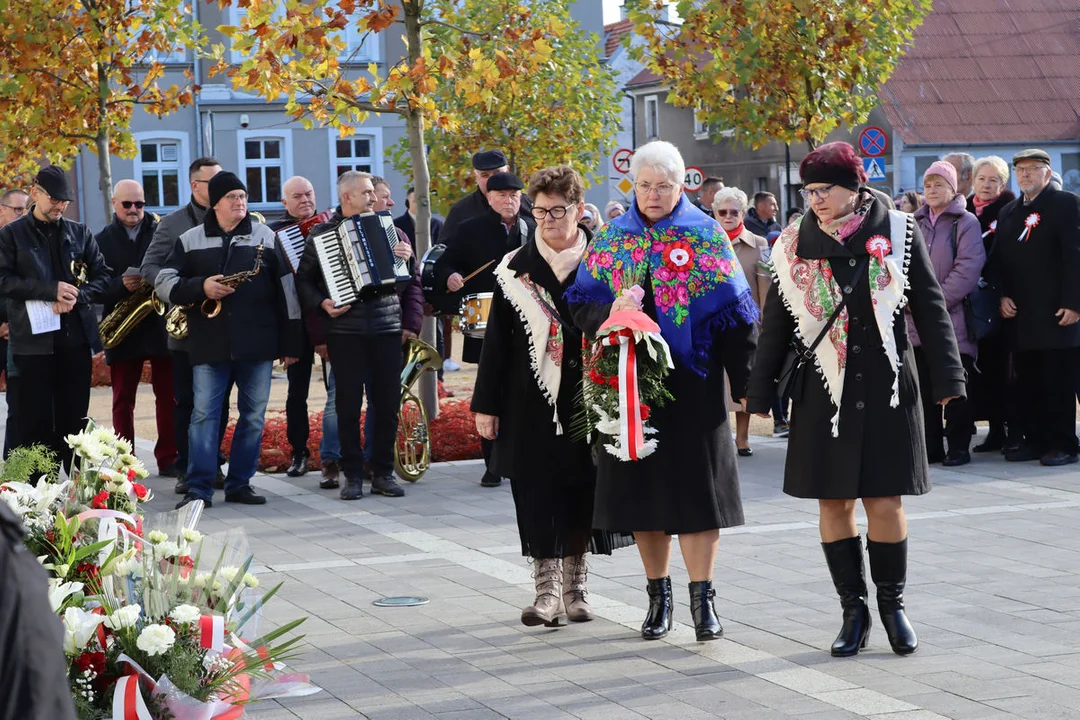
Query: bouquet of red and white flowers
point(160, 621)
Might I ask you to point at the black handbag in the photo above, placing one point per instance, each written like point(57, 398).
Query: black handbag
point(798, 355)
point(981, 307)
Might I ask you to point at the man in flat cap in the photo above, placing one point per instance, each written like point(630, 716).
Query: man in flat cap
point(1036, 262)
point(51, 271)
point(480, 242)
point(257, 321)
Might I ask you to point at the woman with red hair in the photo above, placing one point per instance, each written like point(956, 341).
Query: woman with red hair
point(842, 275)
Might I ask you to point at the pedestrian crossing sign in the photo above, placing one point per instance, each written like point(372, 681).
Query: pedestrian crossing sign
point(874, 167)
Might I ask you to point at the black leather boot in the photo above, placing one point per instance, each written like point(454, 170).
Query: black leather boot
point(706, 624)
point(659, 619)
point(845, 561)
point(888, 568)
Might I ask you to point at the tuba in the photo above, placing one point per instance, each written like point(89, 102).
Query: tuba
point(176, 319)
point(128, 313)
point(412, 451)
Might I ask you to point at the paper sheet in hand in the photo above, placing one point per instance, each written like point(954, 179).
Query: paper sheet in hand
point(42, 317)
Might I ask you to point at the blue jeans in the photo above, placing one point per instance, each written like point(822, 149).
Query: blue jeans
point(211, 381)
point(330, 445)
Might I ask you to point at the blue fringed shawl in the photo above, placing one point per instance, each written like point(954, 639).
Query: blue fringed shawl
point(697, 284)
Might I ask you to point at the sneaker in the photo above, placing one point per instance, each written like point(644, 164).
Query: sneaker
point(330, 472)
point(449, 365)
point(490, 480)
point(386, 487)
point(781, 430)
point(169, 471)
point(246, 496)
point(353, 490)
point(192, 497)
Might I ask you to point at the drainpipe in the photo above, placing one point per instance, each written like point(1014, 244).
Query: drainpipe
point(633, 118)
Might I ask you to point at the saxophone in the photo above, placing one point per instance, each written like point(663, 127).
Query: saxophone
point(176, 319)
point(128, 313)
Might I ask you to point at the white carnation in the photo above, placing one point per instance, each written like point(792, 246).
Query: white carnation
point(185, 614)
point(166, 549)
point(156, 639)
point(125, 617)
point(156, 536)
point(191, 535)
point(250, 580)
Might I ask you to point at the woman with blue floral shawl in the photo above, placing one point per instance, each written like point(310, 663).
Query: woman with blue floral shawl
point(676, 263)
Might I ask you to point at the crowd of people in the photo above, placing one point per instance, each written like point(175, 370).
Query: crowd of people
point(886, 334)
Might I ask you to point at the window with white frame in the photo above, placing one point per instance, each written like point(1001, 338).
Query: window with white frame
point(652, 117)
point(701, 125)
point(360, 151)
point(161, 167)
point(265, 163)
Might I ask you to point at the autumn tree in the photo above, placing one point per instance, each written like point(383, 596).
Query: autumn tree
point(296, 52)
point(787, 70)
point(564, 110)
point(72, 72)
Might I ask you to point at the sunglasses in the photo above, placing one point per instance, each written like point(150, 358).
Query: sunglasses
point(137, 203)
point(725, 212)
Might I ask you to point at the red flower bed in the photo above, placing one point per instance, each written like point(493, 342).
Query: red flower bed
point(453, 437)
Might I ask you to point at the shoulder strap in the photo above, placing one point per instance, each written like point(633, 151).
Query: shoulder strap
point(840, 306)
point(952, 237)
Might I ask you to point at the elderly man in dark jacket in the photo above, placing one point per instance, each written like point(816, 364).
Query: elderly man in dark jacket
point(51, 271)
point(364, 341)
point(123, 243)
point(1037, 263)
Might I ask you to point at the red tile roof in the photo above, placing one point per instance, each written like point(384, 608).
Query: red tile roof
point(645, 77)
point(989, 71)
point(613, 35)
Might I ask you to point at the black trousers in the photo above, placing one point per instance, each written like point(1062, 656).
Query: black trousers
point(296, 410)
point(959, 419)
point(53, 398)
point(184, 388)
point(993, 389)
point(11, 429)
point(1047, 380)
point(354, 358)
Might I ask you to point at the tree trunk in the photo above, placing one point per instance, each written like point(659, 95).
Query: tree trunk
point(414, 122)
point(101, 145)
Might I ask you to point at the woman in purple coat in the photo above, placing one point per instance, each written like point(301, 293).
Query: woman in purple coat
point(954, 239)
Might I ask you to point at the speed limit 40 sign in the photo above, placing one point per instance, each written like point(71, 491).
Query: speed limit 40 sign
point(693, 179)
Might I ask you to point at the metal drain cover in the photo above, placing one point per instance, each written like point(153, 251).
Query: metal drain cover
point(401, 601)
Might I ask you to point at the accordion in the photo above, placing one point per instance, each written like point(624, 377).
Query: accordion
point(292, 237)
point(358, 255)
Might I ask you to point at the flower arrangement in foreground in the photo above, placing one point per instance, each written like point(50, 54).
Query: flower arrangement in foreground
point(160, 621)
point(621, 384)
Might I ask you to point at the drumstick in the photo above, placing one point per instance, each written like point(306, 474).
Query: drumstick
point(476, 272)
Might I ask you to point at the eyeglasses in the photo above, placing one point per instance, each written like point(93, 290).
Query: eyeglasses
point(557, 213)
point(201, 181)
point(663, 189)
point(139, 204)
point(1029, 169)
point(725, 212)
point(236, 197)
point(819, 193)
point(17, 209)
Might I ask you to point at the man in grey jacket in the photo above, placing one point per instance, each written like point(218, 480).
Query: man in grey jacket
point(171, 227)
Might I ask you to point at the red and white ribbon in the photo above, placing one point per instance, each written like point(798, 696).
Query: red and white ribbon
point(631, 430)
point(991, 229)
point(1030, 223)
point(212, 632)
point(128, 703)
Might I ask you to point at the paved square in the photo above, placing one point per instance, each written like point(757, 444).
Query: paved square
point(993, 592)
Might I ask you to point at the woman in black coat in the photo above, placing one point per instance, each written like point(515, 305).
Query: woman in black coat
point(529, 377)
point(856, 424)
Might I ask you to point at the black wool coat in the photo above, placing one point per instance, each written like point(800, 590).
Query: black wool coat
point(989, 215)
point(1042, 273)
point(148, 338)
point(881, 450)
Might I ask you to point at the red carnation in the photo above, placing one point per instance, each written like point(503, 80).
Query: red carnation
point(100, 500)
point(645, 412)
point(91, 661)
point(131, 475)
point(613, 381)
point(596, 377)
point(140, 490)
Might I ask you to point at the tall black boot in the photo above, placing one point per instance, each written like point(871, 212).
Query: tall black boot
point(660, 618)
point(888, 568)
point(706, 624)
point(845, 561)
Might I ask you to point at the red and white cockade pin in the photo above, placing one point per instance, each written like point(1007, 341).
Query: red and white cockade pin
point(1030, 223)
point(993, 229)
point(879, 246)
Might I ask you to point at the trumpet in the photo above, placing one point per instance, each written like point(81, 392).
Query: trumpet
point(176, 322)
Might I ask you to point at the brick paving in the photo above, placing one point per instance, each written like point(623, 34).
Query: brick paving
point(994, 594)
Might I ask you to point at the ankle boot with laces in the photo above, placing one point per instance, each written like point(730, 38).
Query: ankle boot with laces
point(575, 573)
point(548, 608)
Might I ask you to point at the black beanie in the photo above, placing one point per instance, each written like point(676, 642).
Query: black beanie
point(221, 185)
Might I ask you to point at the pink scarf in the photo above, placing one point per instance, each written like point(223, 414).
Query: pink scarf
point(980, 204)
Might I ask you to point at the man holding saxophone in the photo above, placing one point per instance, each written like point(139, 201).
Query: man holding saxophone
point(129, 341)
point(242, 313)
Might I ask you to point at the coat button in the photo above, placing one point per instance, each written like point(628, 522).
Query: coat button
point(572, 363)
point(854, 321)
point(851, 262)
point(860, 405)
point(847, 289)
point(858, 377)
point(856, 349)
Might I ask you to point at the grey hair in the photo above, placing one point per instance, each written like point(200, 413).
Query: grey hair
point(351, 177)
point(661, 156)
point(995, 162)
point(967, 162)
point(726, 194)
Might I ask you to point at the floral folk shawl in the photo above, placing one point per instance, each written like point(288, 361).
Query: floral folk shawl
point(697, 283)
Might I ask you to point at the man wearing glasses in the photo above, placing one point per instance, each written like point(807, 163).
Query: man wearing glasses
point(50, 272)
point(168, 231)
point(12, 207)
point(124, 243)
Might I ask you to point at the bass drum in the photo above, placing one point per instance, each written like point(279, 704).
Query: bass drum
point(437, 297)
